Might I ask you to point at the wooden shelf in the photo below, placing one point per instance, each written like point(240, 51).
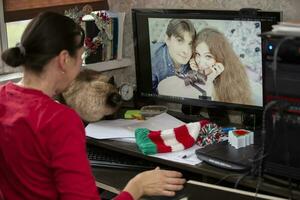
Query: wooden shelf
point(14, 77)
point(100, 66)
point(109, 65)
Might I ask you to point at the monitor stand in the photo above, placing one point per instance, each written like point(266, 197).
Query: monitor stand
point(190, 110)
point(188, 114)
point(219, 116)
point(252, 121)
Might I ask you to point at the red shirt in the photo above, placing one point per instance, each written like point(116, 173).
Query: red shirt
point(42, 149)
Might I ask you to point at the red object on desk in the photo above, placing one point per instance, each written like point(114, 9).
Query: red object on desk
point(240, 132)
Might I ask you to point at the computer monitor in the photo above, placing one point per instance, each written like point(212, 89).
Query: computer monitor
point(206, 58)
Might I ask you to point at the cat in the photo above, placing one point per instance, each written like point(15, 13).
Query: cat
point(92, 95)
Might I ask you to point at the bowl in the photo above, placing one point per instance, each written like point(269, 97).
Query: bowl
point(152, 110)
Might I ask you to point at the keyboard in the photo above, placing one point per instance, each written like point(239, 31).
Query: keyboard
point(100, 157)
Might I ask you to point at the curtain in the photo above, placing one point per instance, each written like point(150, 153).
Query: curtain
point(15, 10)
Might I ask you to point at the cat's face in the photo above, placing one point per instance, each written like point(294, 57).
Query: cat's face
point(92, 95)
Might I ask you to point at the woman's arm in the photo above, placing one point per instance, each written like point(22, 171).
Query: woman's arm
point(155, 182)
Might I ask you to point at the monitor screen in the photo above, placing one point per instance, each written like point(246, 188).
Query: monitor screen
point(201, 57)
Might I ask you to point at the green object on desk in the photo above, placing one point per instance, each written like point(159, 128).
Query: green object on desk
point(133, 114)
point(145, 144)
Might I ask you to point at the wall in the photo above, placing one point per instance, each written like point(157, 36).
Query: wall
point(290, 9)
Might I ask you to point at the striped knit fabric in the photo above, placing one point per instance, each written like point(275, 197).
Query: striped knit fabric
point(182, 137)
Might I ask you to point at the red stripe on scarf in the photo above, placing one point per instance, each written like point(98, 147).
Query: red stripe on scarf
point(183, 136)
point(155, 136)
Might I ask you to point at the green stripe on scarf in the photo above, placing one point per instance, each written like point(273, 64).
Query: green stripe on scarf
point(144, 143)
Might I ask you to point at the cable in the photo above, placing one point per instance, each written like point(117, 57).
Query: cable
point(281, 106)
point(275, 62)
point(225, 177)
point(257, 187)
point(268, 106)
point(290, 188)
point(263, 134)
point(288, 157)
point(257, 163)
point(241, 178)
point(277, 180)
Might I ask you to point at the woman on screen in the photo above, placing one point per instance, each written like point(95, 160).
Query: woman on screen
point(174, 53)
point(227, 80)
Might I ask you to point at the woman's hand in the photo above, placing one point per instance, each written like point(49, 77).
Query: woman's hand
point(193, 64)
point(216, 70)
point(156, 182)
point(197, 68)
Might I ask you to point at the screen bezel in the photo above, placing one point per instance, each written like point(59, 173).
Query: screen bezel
point(142, 47)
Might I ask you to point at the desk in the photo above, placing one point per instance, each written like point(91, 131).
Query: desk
point(201, 172)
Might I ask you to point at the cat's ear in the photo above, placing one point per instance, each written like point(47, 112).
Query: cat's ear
point(111, 80)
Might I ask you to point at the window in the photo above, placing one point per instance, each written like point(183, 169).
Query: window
point(14, 31)
point(16, 14)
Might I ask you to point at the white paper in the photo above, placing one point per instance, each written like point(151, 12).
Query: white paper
point(108, 129)
point(124, 128)
point(129, 140)
point(160, 122)
point(187, 156)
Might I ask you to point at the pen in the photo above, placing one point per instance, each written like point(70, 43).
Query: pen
point(187, 155)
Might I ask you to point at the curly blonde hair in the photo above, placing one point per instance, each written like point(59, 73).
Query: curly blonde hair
point(233, 84)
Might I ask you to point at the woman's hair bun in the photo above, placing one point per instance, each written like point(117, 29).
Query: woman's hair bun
point(13, 57)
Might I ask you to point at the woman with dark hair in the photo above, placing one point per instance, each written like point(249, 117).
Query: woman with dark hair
point(42, 145)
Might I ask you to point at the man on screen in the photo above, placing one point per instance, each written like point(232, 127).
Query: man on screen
point(172, 55)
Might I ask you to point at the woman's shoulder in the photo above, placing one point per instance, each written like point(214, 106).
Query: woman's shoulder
point(57, 117)
point(60, 109)
point(52, 113)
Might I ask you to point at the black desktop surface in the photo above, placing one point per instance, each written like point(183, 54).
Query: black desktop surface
point(201, 171)
point(225, 156)
point(131, 149)
point(221, 151)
